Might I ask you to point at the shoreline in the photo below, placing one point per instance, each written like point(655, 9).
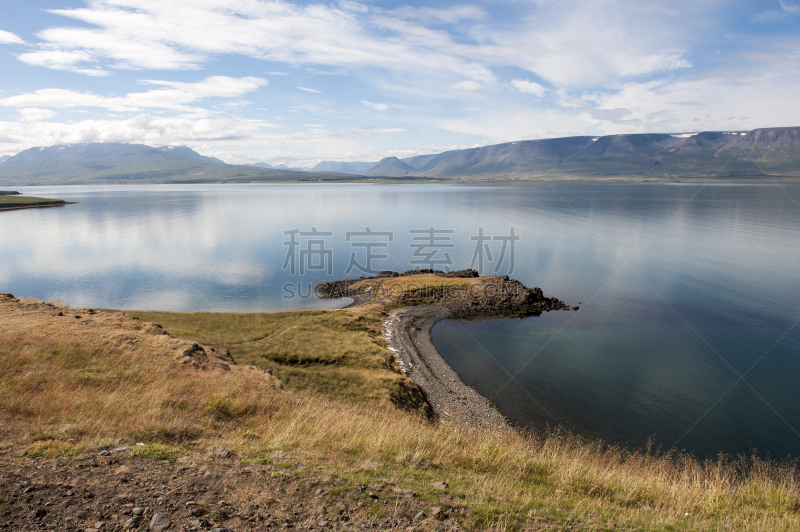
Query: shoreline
point(408, 333)
point(426, 297)
point(411, 180)
point(12, 207)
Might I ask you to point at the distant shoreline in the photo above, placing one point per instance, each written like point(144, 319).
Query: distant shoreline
point(14, 207)
point(772, 180)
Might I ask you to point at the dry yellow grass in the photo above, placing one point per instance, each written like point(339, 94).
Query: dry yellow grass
point(68, 384)
point(337, 353)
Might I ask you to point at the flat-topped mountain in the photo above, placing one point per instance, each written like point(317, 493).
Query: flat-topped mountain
point(720, 154)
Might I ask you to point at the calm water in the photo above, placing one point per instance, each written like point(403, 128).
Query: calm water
point(688, 293)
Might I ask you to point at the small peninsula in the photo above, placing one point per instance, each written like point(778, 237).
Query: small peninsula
point(12, 200)
point(413, 302)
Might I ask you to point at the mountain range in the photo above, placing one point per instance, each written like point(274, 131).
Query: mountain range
point(760, 153)
point(711, 154)
point(111, 162)
point(355, 167)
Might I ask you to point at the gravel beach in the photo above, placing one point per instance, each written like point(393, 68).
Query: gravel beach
point(408, 332)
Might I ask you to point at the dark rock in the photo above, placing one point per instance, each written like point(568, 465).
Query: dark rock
point(39, 513)
point(575, 308)
point(222, 354)
point(463, 273)
point(194, 350)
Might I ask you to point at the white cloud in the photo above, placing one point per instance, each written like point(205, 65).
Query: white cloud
point(62, 60)
point(34, 114)
point(174, 95)
point(610, 66)
point(584, 43)
point(790, 8)
point(7, 37)
point(375, 106)
point(467, 85)
point(54, 98)
point(234, 140)
point(528, 87)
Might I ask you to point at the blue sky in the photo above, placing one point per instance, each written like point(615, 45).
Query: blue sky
point(300, 82)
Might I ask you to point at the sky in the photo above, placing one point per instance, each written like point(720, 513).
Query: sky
point(301, 82)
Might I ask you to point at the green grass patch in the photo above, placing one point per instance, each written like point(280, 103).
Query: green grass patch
point(158, 452)
point(52, 449)
point(336, 353)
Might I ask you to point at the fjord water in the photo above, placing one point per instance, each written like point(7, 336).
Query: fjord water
point(688, 292)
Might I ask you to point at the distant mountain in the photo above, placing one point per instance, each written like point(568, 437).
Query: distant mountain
point(500, 158)
point(260, 165)
point(292, 168)
point(354, 167)
point(731, 154)
point(390, 167)
point(133, 163)
point(761, 153)
point(3, 158)
point(183, 152)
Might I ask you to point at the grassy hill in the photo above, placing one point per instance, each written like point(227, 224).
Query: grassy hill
point(75, 381)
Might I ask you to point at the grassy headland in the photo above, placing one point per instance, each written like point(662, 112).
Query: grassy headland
point(73, 383)
point(15, 201)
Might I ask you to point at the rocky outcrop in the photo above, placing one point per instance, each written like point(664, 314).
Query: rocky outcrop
point(488, 296)
point(499, 296)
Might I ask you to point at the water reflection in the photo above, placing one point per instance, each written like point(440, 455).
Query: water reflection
point(684, 288)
